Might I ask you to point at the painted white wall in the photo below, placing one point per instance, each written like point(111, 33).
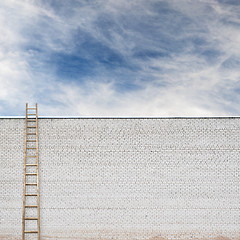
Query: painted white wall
point(126, 178)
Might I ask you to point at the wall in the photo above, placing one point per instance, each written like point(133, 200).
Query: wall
point(165, 178)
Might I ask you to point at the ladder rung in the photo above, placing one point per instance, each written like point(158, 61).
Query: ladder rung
point(30, 218)
point(31, 165)
point(31, 184)
point(31, 173)
point(31, 108)
point(31, 148)
point(31, 140)
point(31, 231)
point(31, 114)
point(31, 206)
point(31, 120)
point(32, 127)
point(31, 156)
point(31, 133)
point(31, 195)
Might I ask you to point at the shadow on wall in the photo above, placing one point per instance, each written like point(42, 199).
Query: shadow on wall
point(7, 237)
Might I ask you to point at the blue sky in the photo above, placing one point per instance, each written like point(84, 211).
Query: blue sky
point(120, 57)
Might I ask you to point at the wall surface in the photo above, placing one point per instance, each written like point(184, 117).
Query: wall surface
point(126, 178)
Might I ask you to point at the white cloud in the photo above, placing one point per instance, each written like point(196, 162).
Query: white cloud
point(103, 101)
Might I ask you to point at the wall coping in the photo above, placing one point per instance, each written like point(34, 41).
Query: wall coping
point(127, 117)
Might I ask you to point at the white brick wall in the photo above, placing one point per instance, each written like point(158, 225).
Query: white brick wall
point(126, 178)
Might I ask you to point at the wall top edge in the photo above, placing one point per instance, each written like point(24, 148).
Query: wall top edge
point(127, 117)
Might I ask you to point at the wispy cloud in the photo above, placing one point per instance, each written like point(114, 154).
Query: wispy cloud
point(120, 58)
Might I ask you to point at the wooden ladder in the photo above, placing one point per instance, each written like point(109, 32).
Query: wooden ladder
point(31, 211)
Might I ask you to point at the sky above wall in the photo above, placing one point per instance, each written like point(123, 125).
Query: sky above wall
point(120, 57)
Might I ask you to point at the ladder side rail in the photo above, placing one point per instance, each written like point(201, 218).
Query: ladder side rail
point(38, 202)
point(24, 179)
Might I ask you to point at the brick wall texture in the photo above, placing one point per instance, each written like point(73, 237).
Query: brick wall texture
point(126, 179)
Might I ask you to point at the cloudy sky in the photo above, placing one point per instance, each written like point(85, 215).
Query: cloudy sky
point(120, 57)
